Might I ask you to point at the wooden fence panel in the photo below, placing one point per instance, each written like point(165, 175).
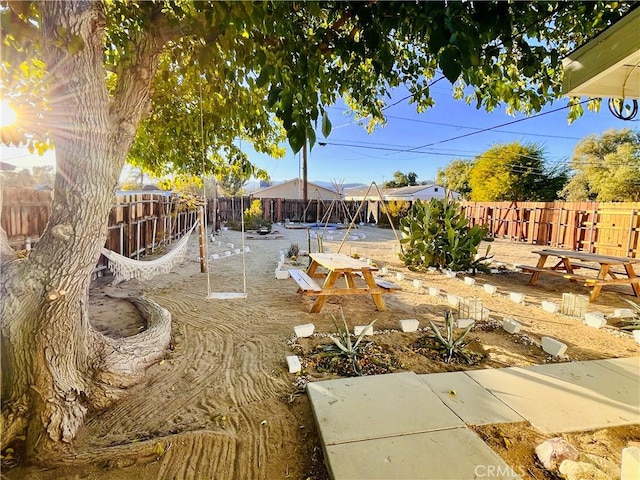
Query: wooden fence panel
point(138, 223)
point(617, 229)
point(25, 213)
point(280, 210)
point(604, 228)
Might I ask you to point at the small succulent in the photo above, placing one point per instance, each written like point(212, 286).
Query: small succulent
point(293, 251)
point(446, 343)
point(632, 323)
point(343, 345)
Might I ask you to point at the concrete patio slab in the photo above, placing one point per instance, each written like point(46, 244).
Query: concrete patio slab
point(625, 366)
point(604, 379)
point(566, 397)
point(471, 402)
point(364, 408)
point(444, 454)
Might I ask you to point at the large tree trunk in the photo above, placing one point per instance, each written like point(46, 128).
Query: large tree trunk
point(55, 366)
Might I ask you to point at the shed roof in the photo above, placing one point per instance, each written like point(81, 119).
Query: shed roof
point(609, 64)
point(294, 180)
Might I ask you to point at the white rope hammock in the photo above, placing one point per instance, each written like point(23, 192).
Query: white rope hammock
point(125, 268)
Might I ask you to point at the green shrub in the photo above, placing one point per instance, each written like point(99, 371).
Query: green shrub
point(397, 210)
point(437, 234)
point(293, 251)
point(632, 323)
point(253, 219)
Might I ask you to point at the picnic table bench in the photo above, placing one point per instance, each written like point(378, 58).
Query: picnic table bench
point(306, 284)
point(602, 263)
point(340, 266)
point(381, 282)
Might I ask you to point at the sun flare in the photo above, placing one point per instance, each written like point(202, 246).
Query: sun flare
point(8, 115)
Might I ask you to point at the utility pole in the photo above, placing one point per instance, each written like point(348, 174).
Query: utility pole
point(304, 171)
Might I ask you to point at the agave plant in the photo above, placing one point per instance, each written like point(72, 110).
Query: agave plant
point(446, 343)
point(633, 323)
point(343, 345)
point(293, 251)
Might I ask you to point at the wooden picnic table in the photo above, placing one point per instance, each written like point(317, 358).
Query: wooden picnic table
point(340, 266)
point(566, 267)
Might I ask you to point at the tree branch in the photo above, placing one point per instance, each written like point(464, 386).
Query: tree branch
point(135, 72)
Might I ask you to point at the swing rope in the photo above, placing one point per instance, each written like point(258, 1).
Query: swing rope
point(220, 295)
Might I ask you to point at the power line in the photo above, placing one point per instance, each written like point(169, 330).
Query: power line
point(496, 126)
point(541, 171)
point(476, 128)
point(466, 127)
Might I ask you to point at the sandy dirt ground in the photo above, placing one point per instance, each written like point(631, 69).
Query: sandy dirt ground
point(222, 405)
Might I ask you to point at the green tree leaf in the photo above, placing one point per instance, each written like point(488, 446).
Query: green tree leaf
point(449, 60)
point(326, 124)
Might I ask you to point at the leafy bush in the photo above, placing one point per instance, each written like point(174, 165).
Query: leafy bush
point(437, 234)
point(253, 219)
point(397, 210)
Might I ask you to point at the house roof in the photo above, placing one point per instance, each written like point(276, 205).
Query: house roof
point(410, 190)
point(388, 192)
point(609, 64)
point(294, 180)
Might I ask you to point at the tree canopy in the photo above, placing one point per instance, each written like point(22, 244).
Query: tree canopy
point(455, 177)
point(234, 59)
point(606, 168)
point(514, 172)
point(184, 80)
point(402, 180)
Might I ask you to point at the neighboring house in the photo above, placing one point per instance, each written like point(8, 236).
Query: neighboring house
point(292, 189)
point(407, 194)
point(400, 194)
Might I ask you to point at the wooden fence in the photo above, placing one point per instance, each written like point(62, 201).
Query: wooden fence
point(138, 223)
point(604, 228)
point(278, 210)
point(25, 213)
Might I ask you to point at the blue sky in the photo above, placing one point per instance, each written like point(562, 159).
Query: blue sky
point(354, 156)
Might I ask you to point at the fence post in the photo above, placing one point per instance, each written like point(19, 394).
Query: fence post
point(628, 253)
point(592, 248)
